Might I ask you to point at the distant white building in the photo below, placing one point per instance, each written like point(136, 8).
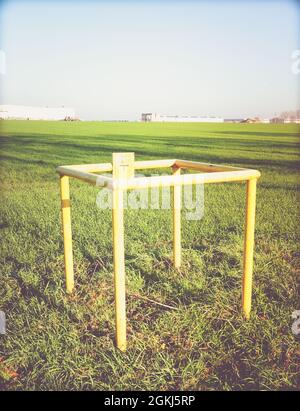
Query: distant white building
point(12, 112)
point(154, 117)
point(293, 120)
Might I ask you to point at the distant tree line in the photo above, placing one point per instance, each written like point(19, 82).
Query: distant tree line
point(290, 115)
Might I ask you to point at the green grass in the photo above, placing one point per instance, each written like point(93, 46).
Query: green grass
point(55, 341)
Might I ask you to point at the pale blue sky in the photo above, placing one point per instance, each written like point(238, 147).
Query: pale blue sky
point(116, 59)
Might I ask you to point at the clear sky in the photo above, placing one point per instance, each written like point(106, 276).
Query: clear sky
point(117, 59)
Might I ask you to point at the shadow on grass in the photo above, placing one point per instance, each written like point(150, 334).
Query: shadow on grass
point(57, 151)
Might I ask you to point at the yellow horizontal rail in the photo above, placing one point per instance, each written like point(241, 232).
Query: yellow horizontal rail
point(187, 179)
point(143, 165)
point(233, 174)
point(90, 178)
point(207, 167)
point(107, 167)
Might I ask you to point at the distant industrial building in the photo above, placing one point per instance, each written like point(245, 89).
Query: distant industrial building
point(251, 120)
point(291, 120)
point(154, 117)
point(233, 120)
point(247, 120)
point(12, 112)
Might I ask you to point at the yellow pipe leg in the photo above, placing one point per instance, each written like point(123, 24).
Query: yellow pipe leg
point(176, 221)
point(67, 232)
point(119, 268)
point(249, 246)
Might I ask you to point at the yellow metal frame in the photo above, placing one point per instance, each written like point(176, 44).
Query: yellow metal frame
point(122, 168)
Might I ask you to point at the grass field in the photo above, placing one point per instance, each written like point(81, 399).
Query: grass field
point(55, 341)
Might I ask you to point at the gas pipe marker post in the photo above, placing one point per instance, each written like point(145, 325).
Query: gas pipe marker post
point(123, 168)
